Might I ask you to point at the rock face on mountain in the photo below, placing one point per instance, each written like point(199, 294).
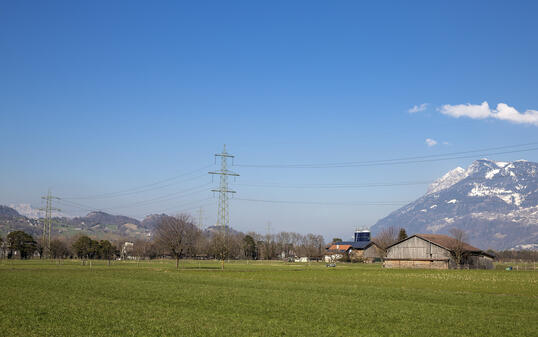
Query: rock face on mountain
point(31, 212)
point(11, 220)
point(496, 203)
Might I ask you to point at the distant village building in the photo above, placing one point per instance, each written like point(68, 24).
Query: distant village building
point(3, 249)
point(362, 248)
point(435, 251)
point(127, 250)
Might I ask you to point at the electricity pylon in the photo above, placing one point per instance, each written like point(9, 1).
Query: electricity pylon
point(200, 218)
point(47, 224)
point(223, 217)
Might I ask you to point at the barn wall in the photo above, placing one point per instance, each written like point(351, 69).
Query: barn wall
point(417, 248)
point(372, 252)
point(417, 264)
point(357, 253)
point(478, 262)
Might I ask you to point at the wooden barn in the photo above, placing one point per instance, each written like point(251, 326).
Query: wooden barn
point(435, 251)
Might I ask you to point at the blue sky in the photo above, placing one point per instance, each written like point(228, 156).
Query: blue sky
point(99, 97)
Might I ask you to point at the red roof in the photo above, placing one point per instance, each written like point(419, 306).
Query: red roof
point(341, 248)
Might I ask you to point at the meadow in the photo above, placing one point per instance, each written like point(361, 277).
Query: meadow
point(152, 298)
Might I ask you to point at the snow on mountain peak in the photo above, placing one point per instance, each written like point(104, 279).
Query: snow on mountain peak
point(449, 179)
point(31, 212)
point(495, 202)
point(488, 167)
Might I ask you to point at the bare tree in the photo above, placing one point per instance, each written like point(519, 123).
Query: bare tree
point(387, 237)
point(269, 246)
point(285, 243)
point(58, 249)
point(177, 236)
point(314, 246)
point(458, 249)
point(141, 249)
point(219, 247)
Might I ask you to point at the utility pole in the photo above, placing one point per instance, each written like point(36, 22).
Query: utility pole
point(47, 224)
point(223, 190)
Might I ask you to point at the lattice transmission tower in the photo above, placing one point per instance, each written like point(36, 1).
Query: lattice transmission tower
point(223, 217)
point(47, 224)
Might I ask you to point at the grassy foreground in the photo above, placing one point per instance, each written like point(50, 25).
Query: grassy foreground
point(41, 298)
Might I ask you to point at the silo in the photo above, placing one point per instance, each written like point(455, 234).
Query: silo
point(362, 235)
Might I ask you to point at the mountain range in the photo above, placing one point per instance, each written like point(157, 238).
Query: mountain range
point(96, 224)
point(495, 203)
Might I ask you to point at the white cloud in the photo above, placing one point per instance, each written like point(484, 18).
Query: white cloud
point(431, 142)
point(508, 113)
point(483, 111)
point(418, 108)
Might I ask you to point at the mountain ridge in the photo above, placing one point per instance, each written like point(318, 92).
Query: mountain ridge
point(495, 202)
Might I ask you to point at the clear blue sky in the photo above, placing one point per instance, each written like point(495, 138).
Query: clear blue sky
point(103, 96)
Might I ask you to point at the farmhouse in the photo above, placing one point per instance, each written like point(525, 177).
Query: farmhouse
point(361, 248)
point(435, 251)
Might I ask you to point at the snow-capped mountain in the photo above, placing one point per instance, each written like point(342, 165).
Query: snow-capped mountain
point(29, 211)
point(449, 179)
point(495, 202)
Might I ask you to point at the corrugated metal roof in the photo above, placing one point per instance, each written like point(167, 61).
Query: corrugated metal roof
point(447, 242)
point(356, 244)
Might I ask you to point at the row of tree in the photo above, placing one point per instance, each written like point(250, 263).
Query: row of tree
point(19, 244)
point(177, 237)
point(516, 255)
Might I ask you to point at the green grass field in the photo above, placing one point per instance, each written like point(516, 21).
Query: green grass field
point(41, 298)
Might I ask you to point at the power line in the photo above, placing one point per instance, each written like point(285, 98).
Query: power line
point(143, 188)
point(403, 160)
point(336, 186)
point(166, 197)
point(83, 207)
point(187, 206)
point(380, 203)
point(141, 203)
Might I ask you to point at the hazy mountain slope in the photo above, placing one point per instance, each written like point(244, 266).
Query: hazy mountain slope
point(96, 224)
point(11, 220)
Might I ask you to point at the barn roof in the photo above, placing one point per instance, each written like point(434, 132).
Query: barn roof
point(447, 242)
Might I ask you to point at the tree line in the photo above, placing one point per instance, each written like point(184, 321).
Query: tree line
point(178, 237)
point(175, 237)
point(21, 245)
